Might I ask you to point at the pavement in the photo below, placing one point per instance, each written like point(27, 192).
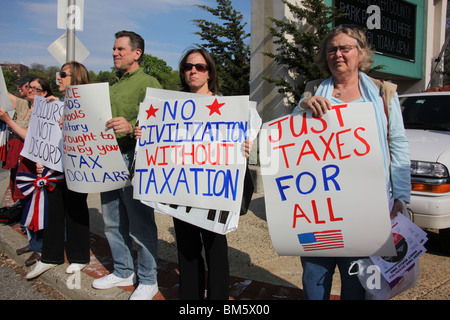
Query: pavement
point(252, 260)
point(257, 271)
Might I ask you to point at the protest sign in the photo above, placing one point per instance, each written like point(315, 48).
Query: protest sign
point(91, 156)
point(43, 140)
point(190, 154)
point(324, 184)
point(410, 246)
point(5, 103)
point(217, 221)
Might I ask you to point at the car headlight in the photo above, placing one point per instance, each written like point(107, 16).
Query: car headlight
point(429, 177)
point(428, 169)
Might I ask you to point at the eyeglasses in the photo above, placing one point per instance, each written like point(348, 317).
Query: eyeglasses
point(64, 74)
point(200, 67)
point(35, 89)
point(342, 49)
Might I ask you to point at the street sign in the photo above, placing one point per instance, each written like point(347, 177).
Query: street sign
point(58, 50)
point(70, 17)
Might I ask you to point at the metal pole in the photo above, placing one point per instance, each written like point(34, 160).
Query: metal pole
point(70, 53)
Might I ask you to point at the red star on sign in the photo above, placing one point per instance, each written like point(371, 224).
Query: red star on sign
point(151, 112)
point(215, 107)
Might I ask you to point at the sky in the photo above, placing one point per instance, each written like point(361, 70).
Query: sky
point(28, 27)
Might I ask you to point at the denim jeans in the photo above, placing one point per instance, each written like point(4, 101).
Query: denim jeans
point(35, 240)
point(318, 278)
point(127, 219)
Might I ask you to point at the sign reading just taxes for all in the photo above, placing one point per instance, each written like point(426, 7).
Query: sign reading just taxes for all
point(324, 184)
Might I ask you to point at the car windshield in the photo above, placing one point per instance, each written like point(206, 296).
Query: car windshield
point(426, 112)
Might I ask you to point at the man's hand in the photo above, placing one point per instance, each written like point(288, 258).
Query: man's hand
point(119, 125)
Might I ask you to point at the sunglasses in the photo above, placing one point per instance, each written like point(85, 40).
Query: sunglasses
point(200, 67)
point(64, 74)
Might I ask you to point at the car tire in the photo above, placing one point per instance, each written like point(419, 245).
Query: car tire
point(444, 235)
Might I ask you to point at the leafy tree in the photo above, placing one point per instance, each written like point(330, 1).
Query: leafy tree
point(297, 48)
point(104, 76)
point(226, 43)
point(155, 67)
point(172, 81)
point(10, 78)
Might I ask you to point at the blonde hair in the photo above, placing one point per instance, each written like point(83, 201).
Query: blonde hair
point(363, 46)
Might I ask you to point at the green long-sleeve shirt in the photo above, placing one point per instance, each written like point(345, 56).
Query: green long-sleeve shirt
point(126, 94)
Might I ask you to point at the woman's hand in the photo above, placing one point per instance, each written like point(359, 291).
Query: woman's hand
point(319, 105)
point(39, 169)
point(137, 132)
point(248, 145)
point(397, 208)
point(52, 98)
point(4, 116)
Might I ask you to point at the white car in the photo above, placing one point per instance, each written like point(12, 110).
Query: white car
point(427, 122)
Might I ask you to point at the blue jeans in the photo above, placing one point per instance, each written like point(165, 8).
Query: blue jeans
point(127, 219)
point(35, 240)
point(318, 277)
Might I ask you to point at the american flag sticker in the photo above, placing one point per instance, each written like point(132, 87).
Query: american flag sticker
point(321, 240)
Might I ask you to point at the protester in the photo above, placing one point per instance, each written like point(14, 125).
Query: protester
point(68, 220)
point(18, 126)
point(23, 84)
point(198, 75)
point(345, 55)
point(125, 218)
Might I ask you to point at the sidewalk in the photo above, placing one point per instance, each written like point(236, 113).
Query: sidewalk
point(257, 271)
point(250, 278)
point(12, 237)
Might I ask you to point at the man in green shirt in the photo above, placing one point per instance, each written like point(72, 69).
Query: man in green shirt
point(126, 219)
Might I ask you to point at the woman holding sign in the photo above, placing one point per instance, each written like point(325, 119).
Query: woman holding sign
point(345, 55)
point(198, 75)
point(68, 226)
point(14, 161)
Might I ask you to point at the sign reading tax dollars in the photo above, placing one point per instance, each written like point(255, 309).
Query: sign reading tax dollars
point(91, 156)
point(324, 184)
point(191, 151)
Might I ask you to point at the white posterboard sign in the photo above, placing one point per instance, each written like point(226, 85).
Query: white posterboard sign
point(5, 103)
point(43, 142)
point(217, 221)
point(91, 156)
point(324, 184)
point(191, 151)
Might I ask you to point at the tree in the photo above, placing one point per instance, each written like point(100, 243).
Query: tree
point(10, 80)
point(297, 48)
point(226, 43)
point(155, 67)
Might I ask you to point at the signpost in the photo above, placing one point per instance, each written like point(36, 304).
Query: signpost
point(68, 47)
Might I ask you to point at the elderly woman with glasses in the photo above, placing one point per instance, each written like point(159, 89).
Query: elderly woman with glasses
point(345, 55)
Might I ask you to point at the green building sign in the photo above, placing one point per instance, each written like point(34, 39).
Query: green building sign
point(394, 28)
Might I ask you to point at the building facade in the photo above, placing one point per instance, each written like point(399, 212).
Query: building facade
point(408, 37)
point(19, 69)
